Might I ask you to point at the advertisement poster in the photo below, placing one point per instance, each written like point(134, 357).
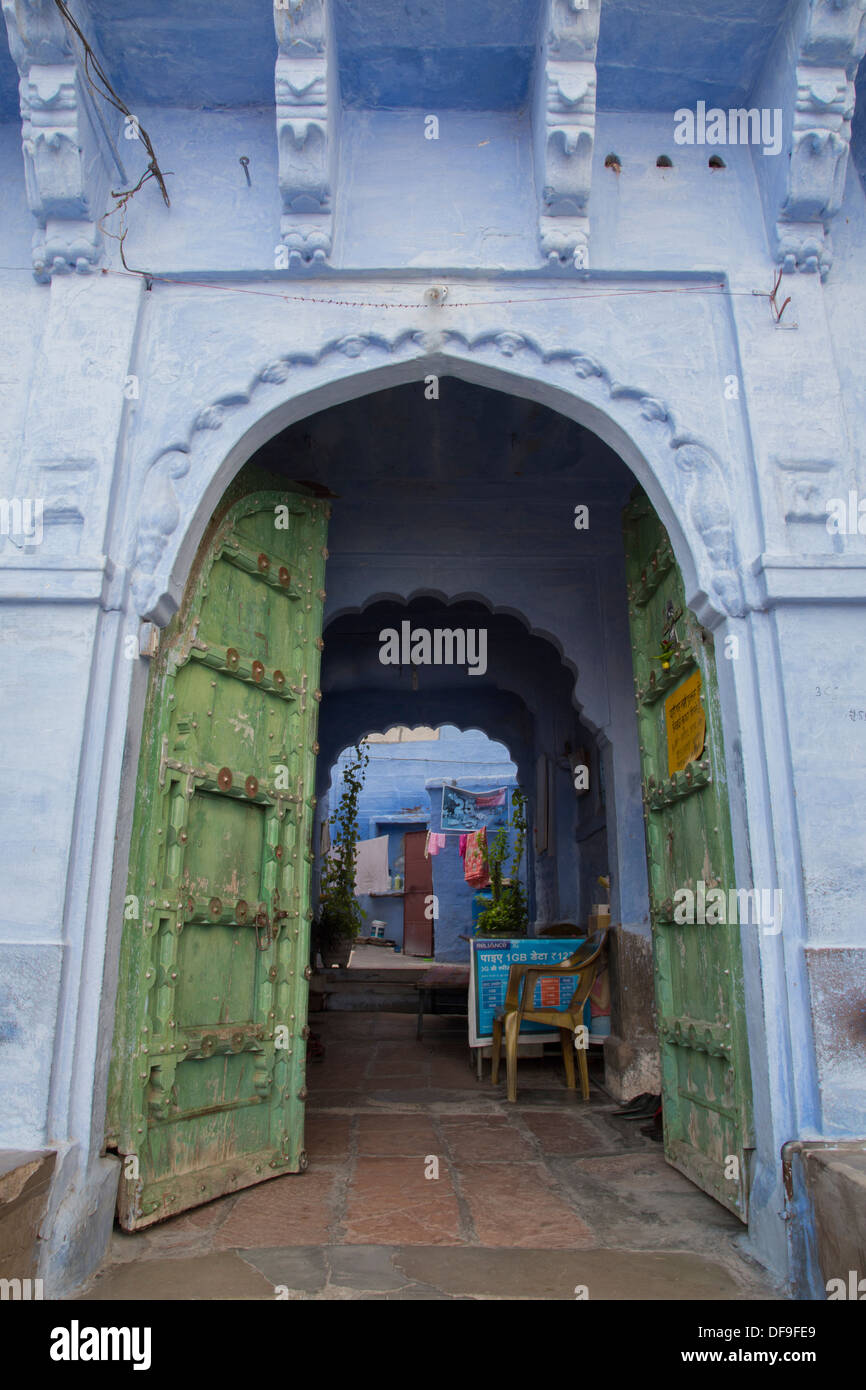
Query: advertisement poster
point(473, 810)
point(490, 965)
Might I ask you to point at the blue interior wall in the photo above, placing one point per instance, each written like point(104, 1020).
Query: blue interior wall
point(403, 781)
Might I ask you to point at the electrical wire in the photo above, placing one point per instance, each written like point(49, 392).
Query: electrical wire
point(453, 304)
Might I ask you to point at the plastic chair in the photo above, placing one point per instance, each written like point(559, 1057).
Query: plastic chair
point(585, 964)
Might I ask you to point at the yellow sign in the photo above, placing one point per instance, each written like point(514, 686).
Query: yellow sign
point(685, 723)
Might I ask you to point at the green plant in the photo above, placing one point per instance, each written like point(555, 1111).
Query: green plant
point(340, 914)
point(508, 914)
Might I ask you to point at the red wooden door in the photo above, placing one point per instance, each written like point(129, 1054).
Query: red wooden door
point(417, 896)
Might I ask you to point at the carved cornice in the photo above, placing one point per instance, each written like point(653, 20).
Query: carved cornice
point(829, 40)
point(696, 480)
point(305, 85)
point(564, 116)
point(69, 153)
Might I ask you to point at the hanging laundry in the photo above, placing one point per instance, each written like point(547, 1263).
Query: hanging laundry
point(475, 871)
point(461, 845)
point(371, 866)
point(436, 842)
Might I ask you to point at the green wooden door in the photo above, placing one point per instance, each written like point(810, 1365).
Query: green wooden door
point(207, 1084)
point(706, 1086)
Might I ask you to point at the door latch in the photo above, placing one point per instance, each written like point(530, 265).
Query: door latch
point(262, 924)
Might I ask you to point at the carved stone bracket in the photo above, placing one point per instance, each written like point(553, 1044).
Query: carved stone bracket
point(564, 128)
point(697, 481)
point(828, 38)
point(67, 137)
point(306, 105)
point(709, 512)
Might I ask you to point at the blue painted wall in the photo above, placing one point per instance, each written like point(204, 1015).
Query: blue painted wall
point(661, 361)
point(404, 780)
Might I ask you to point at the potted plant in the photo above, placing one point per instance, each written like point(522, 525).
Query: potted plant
point(340, 915)
point(507, 915)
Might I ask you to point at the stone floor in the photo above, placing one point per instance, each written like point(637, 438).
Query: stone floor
point(386, 958)
point(551, 1198)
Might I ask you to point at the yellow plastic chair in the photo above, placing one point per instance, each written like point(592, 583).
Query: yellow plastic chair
point(585, 963)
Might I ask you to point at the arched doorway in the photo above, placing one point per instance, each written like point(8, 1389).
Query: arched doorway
point(580, 611)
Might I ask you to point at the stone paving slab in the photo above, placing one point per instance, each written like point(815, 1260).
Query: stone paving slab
point(517, 1204)
point(216, 1276)
point(484, 1137)
point(559, 1133)
point(302, 1269)
point(633, 1200)
point(327, 1136)
point(390, 1134)
point(294, 1210)
point(390, 1199)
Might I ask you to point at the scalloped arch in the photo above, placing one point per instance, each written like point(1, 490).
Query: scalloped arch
point(446, 723)
point(471, 596)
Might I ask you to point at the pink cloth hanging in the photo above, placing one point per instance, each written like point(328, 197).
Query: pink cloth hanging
point(436, 842)
point(461, 845)
point(475, 871)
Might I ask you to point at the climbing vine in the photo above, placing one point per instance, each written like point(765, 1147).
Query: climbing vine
point(340, 913)
point(508, 914)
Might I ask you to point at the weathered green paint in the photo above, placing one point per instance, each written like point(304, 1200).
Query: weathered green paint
point(706, 1086)
point(214, 965)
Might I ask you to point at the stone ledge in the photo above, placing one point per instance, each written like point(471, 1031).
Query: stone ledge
point(25, 1179)
point(631, 1066)
point(836, 1183)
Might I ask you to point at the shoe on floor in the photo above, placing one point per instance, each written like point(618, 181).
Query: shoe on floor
point(648, 1106)
point(636, 1103)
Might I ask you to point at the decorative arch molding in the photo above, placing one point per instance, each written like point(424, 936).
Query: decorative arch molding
point(681, 474)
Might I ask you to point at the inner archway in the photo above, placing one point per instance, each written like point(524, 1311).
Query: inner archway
point(524, 698)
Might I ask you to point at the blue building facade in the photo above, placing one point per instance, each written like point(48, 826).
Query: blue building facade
point(403, 792)
point(461, 270)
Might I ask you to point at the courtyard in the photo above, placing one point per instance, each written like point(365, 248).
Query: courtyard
point(551, 1198)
